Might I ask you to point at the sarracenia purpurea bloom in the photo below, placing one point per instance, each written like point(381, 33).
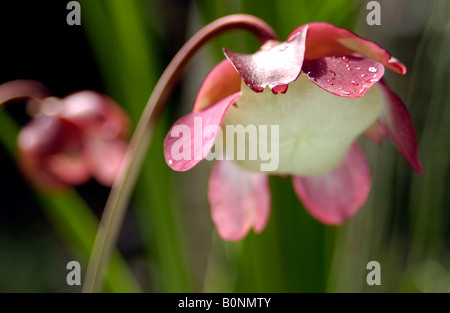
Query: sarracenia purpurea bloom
point(68, 141)
point(324, 88)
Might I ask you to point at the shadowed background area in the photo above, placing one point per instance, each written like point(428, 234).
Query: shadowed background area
point(168, 242)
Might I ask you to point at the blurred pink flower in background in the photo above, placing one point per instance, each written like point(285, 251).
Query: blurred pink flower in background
point(72, 140)
point(320, 115)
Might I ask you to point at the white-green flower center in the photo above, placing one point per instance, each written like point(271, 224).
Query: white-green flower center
point(316, 128)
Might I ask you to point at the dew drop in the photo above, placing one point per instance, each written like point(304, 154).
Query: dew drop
point(330, 82)
point(345, 91)
point(372, 69)
point(345, 59)
point(363, 75)
point(170, 162)
point(358, 68)
point(332, 72)
point(354, 83)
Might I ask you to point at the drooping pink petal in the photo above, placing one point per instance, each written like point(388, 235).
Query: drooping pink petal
point(345, 76)
point(400, 129)
point(324, 40)
point(104, 158)
point(71, 170)
point(376, 132)
point(335, 196)
point(50, 153)
point(223, 80)
point(275, 67)
point(95, 113)
point(192, 136)
point(239, 200)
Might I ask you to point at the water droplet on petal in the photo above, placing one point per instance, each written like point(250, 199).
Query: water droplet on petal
point(345, 91)
point(330, 82)
point(372, 69)
point(170, 162)
point(358, 68)
point(345, 59)
point(354, 83)
point(332, 72)
point(363, 75)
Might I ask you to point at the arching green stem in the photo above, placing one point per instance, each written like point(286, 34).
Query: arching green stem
point(119, 197)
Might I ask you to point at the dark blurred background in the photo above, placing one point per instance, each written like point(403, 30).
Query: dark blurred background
point(37, 43)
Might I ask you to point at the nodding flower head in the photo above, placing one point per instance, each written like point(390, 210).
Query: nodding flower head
point(73, 139)
point(322, 88)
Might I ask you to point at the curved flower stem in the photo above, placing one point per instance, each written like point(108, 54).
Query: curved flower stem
point(119, 197)
point(22, 88)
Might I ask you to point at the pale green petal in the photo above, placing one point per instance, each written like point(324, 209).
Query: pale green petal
point(315, 127)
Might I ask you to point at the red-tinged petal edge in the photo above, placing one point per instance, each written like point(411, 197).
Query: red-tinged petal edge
point(223, 80)
point(335, 196)
point(275, 67)
point(191, 137)
point(400, 129)
point(345, 76)
point(324, 40)
point(239, 200)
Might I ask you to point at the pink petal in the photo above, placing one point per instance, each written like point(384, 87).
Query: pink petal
point(96, 114)
point(192, 136)
point(71, 170)
point(50, 153)
point(335, 196)
point(239, 200)
point(324, 40)
point(345, 76)
point(104, 158)
point(223, 80)
point(275, 67)
point(400, 129)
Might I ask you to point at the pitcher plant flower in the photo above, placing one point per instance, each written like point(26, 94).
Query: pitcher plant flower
point(70, 140)
point(323, 88)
